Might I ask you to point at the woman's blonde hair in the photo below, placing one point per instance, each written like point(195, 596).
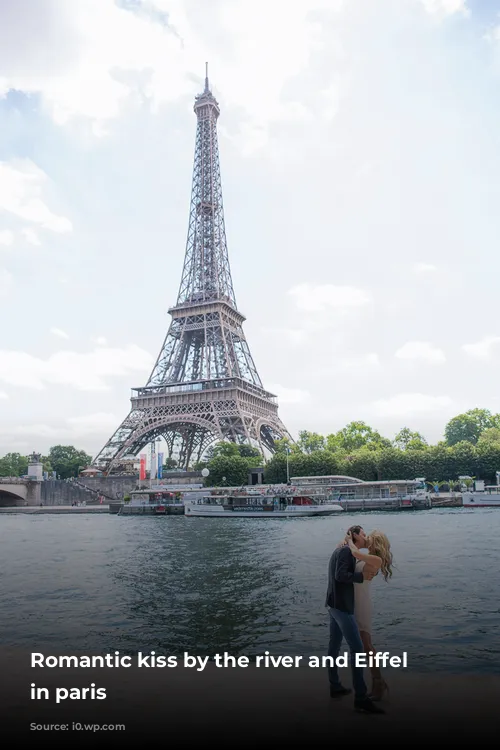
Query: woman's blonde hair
point(379, 545)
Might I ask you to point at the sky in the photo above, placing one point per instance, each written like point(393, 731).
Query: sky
point(359, 146)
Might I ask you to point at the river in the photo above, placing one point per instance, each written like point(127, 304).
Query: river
point(174, 584)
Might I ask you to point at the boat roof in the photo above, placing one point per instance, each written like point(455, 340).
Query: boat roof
point(152, 491)
point(345, 480)
point(332, 477)
point(381, 483)
point(264, 495)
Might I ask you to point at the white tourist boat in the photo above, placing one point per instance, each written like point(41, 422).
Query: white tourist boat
point(481, 496)
point(489, 498)
point(259, 505)
point(356, 494)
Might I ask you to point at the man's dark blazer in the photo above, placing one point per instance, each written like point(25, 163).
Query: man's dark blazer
point(341, 579)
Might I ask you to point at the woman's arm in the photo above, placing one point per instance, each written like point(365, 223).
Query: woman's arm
point(371, 560)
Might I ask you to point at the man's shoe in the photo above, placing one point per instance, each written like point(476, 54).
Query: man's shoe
point(367, 706)
point(339, 692)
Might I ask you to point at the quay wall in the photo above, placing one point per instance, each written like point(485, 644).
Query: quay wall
point(116, 486)
point(113, 486)
point(59, 492)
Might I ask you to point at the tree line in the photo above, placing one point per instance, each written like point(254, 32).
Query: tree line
point(471, 447)
point(65, 460)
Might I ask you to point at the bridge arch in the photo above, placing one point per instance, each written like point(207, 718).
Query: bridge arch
point(12, 496)
point(161, 426)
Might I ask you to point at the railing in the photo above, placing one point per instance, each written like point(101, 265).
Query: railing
point(204, 385)
point(206, 300)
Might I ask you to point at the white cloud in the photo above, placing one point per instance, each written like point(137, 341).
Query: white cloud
point(359, 365)
point(40, 430)
point(3, 395)
point(6, 237)
point(408, 404)
point(21, 184)
point(421, 350)
point(289, 395)
point(292, 336)
point(6, 282)
point(94, 424)
point(424, 268)
point(84, 371)
point(445, 7)
point(73, 429)
point(321, 297)
point(101, 341)
point(482, 349)
point(59, 333)
point(31, 236)
point(96, 67)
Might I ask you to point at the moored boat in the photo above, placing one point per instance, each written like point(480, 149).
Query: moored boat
point(356, 494)
point(253, 505)
point(490, 498)
point(152, 502)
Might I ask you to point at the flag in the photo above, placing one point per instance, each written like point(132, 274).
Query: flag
point(142, 474)
point(160, 465)
point(152, 471)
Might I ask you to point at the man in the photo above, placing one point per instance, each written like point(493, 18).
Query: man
point(340, 599)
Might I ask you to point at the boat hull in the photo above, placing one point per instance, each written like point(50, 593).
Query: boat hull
point(171, 509)
point(480, 500)
point(294, 511)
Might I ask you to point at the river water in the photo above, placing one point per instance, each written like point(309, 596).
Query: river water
point(99, 583)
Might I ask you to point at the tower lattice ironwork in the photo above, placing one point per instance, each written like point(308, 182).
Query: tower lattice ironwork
point(204, 386)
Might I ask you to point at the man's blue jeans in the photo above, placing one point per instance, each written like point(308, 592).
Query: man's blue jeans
point(343, 625)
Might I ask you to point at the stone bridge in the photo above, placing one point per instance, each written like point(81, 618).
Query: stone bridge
point(18, 492)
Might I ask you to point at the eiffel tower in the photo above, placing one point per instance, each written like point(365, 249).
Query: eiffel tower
point(204, 386)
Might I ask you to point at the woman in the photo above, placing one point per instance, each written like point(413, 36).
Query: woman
point(378, 558)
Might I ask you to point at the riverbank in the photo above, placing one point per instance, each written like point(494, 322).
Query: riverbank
point(251, 704)
point(351, 506)
point(57, 509)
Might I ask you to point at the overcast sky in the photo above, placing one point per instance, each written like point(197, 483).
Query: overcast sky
point(360, 166)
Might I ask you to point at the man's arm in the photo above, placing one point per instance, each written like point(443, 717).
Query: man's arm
point(343, 568)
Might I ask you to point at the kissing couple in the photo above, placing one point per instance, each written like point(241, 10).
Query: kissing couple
point(353, 565)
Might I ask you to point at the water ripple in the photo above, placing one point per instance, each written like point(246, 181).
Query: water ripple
point(244, 586)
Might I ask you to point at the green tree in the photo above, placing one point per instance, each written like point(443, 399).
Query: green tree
point(228, 448)
point(169, 463)
point(470, 425)
point(248, 451)
point(67, 461)
point(275, 469)
point(406, 439)
point(355, 435)
point(234, 468)
point(462, 459)
point(488, 461)
point(224, 448)
point(490, 436)
point(13, 465)
point(309, 442)
point(438, 461)
point(361, 464)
